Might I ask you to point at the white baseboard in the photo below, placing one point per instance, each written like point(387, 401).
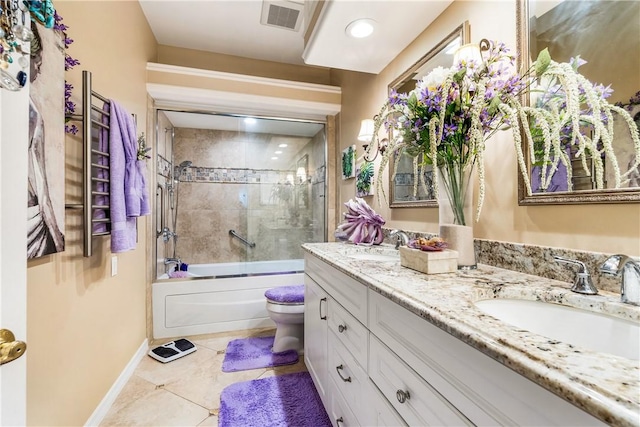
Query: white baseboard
point(101, 410)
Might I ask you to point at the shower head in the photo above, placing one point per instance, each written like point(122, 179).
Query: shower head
point(179, 170)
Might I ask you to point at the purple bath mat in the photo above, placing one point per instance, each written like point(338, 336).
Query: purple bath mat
point(280, 401)
point(254, 353)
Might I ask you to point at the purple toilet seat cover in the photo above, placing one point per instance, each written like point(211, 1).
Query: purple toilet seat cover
point(286, 294)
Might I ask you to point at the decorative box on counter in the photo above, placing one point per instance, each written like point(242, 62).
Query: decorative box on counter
point(429, 262)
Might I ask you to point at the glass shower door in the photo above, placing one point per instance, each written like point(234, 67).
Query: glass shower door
point(252, 192)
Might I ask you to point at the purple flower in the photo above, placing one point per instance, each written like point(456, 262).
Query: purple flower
point(72, 129)
point(604, 91)
point(449, 130)
point(70, 62)
point(394, 98)
point(577, 62)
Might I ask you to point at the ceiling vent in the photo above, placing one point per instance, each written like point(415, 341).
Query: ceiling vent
point(282, 14)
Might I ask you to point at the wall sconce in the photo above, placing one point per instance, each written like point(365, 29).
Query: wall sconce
point(366, 135)
point(471, 52)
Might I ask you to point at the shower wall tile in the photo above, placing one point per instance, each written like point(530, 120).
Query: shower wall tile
point(204, 236)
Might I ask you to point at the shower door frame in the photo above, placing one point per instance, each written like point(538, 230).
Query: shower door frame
point(325, 186)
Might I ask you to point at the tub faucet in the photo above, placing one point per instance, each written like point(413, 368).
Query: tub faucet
point(629, 269)
point(582, 283)
point(401, 237)
point(172, 261)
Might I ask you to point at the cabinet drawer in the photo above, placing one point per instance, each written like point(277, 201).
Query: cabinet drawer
point(339, 412)
point(423, 405)
point(380, 413)
point(350, 293)
point(351, 333)
point(348, 376)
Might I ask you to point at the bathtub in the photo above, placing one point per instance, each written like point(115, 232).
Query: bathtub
point(219, 297)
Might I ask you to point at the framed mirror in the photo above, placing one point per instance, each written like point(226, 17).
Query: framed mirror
point(402, 180)
point(606, 34)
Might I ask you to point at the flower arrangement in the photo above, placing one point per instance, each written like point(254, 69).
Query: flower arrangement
point(445, 121)
point(143, 150)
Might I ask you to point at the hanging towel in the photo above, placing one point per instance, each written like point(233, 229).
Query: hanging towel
point(129, 197)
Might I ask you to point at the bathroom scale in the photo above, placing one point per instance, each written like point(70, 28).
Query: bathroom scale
point(172, 350)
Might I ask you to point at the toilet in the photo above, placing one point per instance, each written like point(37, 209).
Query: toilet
point(285, 305)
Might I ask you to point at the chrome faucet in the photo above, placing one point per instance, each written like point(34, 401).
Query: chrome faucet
point(629, 270)
point(582, 283)
point(401, 237)
point(172, 261)
point(166, 234)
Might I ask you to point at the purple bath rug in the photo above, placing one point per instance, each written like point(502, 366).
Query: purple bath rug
point(280, 401)
point(254, 353)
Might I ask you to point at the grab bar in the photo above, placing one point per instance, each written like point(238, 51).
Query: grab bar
point(242, 239)
point(160, 195)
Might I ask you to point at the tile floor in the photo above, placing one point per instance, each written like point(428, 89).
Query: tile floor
point(185, 392)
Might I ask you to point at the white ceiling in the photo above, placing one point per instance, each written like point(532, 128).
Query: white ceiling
point(233, 27)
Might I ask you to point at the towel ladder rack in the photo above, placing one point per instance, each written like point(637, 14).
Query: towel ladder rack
point(95, 165)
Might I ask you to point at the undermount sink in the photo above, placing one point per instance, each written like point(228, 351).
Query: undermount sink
point(372, 253)
point(591, 330)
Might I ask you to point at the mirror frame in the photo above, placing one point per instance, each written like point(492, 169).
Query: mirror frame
point(461, 30)
point(619, 195)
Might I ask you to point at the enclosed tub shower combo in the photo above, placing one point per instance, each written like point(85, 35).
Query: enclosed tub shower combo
point(235, 197)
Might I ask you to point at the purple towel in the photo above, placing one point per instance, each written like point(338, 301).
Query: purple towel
point(286, 294)
point(122, 158)
point(137, 195)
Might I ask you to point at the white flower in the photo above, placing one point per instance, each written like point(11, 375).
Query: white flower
point(434, 79)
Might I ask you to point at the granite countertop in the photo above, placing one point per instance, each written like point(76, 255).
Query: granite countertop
point(604, 385)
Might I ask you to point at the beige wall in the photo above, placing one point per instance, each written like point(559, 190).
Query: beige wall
point(234, 64)
point(84, 325)
point(600, 228)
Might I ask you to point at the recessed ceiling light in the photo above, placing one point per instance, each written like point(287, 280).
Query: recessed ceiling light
point(277, 152)
point(250, 121)
point(361, 28)
point(274, 158)
point(282, 145)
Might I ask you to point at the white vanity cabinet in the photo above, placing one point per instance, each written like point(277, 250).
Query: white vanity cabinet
point(337, 349)
point(376, 363)
point(475, 386)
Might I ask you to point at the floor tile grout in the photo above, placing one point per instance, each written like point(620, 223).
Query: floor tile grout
point(193, 382)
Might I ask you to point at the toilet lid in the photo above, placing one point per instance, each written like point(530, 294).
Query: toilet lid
point(286, 294)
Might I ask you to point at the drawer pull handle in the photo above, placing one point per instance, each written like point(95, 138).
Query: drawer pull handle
point(346, 380)
point(320, 309)
point(339, 421)
point(402, 396)
point(342, 328)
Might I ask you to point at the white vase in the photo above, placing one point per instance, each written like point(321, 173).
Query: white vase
point(455, 188)
point(460, 239)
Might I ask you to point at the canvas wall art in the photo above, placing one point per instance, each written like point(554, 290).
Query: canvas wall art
point(45, 226)
point(364, 179)
point(349, 162)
